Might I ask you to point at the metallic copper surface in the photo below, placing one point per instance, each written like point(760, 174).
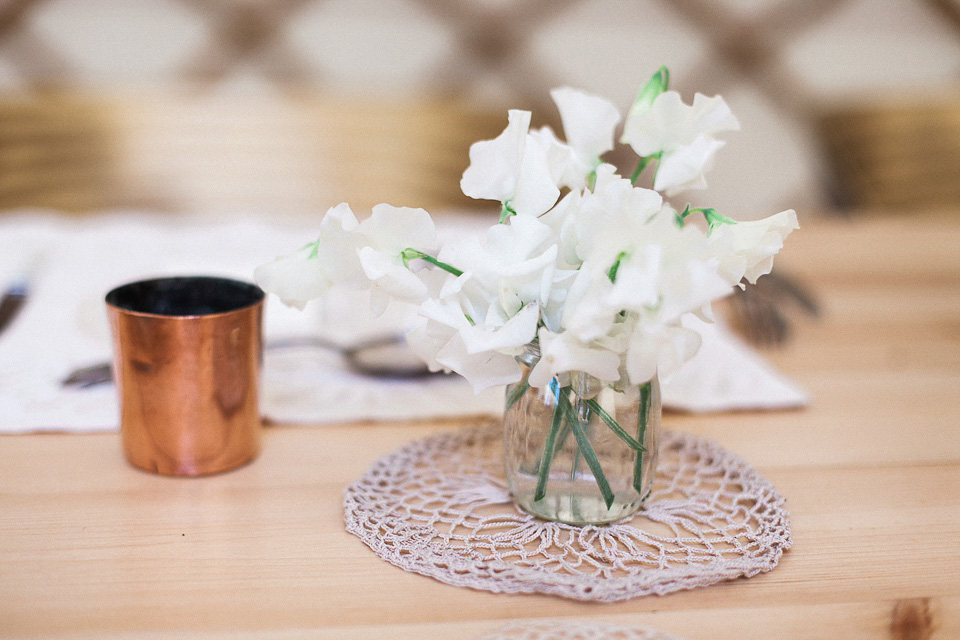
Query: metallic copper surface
point(188, 373)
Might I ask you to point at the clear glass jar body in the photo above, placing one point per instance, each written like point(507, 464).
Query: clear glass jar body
point(558, 439)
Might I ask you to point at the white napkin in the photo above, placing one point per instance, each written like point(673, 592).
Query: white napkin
point(71, 264)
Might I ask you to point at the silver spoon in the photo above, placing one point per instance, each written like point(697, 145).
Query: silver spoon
point(379, 357)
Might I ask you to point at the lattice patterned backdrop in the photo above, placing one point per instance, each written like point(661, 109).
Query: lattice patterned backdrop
point(780, 63)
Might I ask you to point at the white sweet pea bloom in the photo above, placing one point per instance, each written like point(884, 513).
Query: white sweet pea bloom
point(745, 250)
point(600, 280)
point(308, 273)
point(659, 349)
point(337, 246)
point(296, 278)
point(513, 262)
point(637, 283)
point(563, 353)
point(588, 124)
point(613, 220)
point(586, 314)
point(683, 134)
point(685, 272)
point(482, 370)
point(386, 234)
point(442, 348)
point(512, 169)
point(562, 222)
point(508, 337)
point(468, 334)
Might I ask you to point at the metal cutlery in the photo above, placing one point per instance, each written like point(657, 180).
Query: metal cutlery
point(379, 357)
point(13, 300)
point(760, 311)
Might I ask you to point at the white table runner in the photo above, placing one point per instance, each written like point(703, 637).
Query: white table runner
point(70, 264)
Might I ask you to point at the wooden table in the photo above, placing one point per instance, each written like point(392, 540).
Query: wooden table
point(871, 471)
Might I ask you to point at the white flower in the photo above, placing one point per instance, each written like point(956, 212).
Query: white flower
point(513, 262)
point(562, 219)
point(296, 278)
point(600, 280)
point(586, 312)
point(745, 250)
point(337, 246)
point(482, 370)
point(386, 234)
point(588, 124)
point(660, 350)
point(562, 353)
point(683, 134)
point(452, 340)
point(307, 274)
point(512, 169)
point(507, 337)
point(613, 219)
point(466, 331)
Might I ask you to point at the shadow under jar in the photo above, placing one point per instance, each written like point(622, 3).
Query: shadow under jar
point(579, 450)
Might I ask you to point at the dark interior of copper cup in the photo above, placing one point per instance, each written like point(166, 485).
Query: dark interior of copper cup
point(187, 296)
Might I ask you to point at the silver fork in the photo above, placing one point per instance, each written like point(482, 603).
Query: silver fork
point(760, 311)
point(12, 301)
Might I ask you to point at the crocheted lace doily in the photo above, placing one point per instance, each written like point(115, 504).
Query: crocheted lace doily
point(440, 507)
point(564, 629)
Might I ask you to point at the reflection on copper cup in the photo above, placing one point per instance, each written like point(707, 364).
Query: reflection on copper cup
point(187, 357)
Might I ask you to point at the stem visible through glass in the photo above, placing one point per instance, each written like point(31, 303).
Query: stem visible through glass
point(642, 418)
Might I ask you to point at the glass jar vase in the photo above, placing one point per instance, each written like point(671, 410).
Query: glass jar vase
point(579, 450)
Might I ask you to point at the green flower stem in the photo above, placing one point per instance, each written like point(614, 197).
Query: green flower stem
point(506, 212)
point(573, 415)
point(642, 419)
point(612, 272)
point(714, 219)
point(562, 437)
point(517, 392)
point(589, 455)
point(413, 254)
point(569, 418)
point(611, 422)
point(644, 161)
point(546, 458)
point(657, 84)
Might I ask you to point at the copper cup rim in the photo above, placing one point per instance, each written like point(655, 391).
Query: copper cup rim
point(255, 294)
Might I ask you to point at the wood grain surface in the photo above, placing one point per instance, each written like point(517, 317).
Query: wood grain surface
point(91, 548)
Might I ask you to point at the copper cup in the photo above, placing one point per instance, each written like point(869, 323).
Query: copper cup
point(187, 357)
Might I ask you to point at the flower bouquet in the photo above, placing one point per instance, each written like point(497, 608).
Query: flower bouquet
point(573, 298)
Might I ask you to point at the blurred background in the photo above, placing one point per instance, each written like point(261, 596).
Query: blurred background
point(286, 107)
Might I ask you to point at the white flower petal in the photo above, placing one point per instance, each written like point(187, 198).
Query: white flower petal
point(712, 115)
point(389, 274)
point(536, 190)
point(392, 229)
point(746, 249)
point(638, 280)
point(481, 370)
point(565, 170)
point(495, 164)
point(588, 123)
point(660, 351)
point(508, 338)
point(683, 168)
point(296, 278)
point(337, 246)
point(426, 339)
point(561, 352)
